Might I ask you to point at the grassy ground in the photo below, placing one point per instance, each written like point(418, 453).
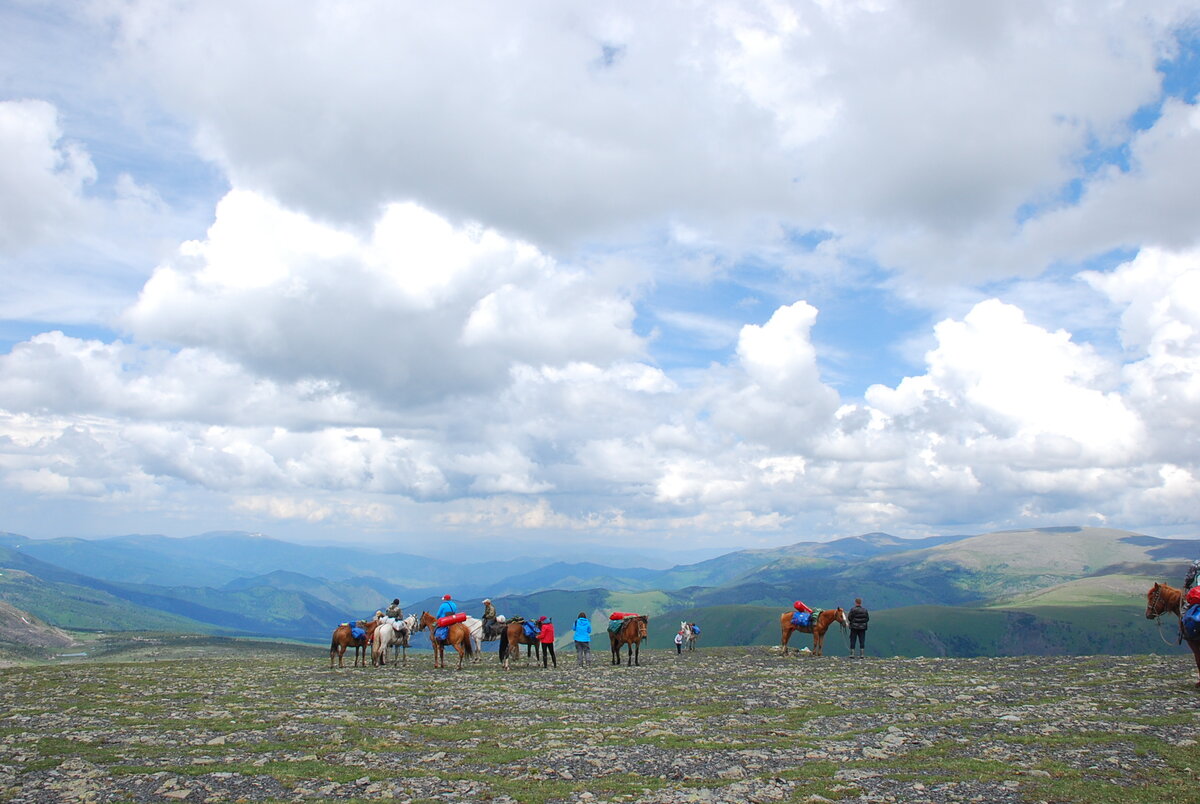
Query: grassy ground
point(719, 725)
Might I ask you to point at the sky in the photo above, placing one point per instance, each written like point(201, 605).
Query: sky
point(671, 275)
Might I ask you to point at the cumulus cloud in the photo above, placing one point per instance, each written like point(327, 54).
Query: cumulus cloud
point(42, 177)
point(417, 311)
point(919, 134)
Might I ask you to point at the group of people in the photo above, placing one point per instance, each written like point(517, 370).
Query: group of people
point(858, 618)
point(581, 630)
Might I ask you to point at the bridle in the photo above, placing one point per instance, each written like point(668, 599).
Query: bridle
point(1154, 612)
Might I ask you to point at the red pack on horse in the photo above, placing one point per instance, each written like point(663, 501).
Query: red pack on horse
point(1163, 599)
point(817, 627)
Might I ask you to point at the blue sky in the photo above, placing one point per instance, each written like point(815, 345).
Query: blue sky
point(691, 277)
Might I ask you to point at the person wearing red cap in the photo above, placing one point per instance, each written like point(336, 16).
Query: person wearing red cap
point(448, 607)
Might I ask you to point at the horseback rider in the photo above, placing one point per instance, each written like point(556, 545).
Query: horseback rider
point(394, 611)
point(447, 608)
point(489, 618)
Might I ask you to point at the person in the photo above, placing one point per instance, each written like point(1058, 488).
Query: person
point(858, 619)
point(394, 611)
point(546, 637)
point(448, 607)
point(678, 642)
point(583, 640)
point(489, 618)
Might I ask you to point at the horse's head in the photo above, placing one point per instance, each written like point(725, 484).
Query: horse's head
point(640, 626)
point(426, 621)
point(841, 617)
point(1156, 602)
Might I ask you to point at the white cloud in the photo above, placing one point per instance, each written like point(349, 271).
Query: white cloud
point(41, 176)
point(417, 311)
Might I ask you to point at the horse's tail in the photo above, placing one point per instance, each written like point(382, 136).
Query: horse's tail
point(503, 644)
point(468, 646)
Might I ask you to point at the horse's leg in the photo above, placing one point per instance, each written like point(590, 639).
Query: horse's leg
point(637, 653)
point(785, 635)
point(1195, 646)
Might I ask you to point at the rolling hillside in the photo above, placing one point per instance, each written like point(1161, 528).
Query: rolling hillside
point(1048, 590)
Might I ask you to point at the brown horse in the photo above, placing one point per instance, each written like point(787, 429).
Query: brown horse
point(1162, 599)
point(632, 632)
point(343, 638)
point(512, 638)
point(817, 629)
point(458, 637)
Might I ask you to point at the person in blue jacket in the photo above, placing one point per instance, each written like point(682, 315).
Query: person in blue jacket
point(448, 607)
point(583, 640)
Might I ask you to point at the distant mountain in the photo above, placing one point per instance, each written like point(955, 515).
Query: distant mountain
point(1062, 578)
point(20, 630)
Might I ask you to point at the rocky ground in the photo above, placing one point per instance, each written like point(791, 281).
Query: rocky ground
point(725, 725)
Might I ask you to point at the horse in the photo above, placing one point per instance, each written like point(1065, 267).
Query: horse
point(1162, 599)
point(689, 636)
point(458, 637)
point(343, 638)
point(475, 628)
point(818, 628)
point(632, 632)
point(391, 633)
point(512, 638)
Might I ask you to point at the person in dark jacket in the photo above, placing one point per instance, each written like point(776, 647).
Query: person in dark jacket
point(858, 619)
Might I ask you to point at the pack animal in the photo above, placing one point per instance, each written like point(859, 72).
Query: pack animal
point(512, 638)
point(343, 637)
point(458, 636)
point(820, 624)
point(631, 633)
point(1163, 599)
point(391, 634)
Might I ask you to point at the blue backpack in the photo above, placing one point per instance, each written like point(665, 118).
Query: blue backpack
point(531, 630)
point(801, 619)
point(1191, 623)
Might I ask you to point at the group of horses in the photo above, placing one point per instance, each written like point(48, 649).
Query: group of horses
point(466, 638)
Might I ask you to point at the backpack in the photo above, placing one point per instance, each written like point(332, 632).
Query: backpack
point(801, 619)
point(531, 630)
point(695, 629)
point(1190, 622)
point(1193, 576)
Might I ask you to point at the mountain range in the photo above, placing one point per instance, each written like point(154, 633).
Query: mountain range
point(1064, 590)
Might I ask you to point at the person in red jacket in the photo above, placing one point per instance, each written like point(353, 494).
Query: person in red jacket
point(546, 637)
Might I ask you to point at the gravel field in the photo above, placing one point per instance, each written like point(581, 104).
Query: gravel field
point(719, 725)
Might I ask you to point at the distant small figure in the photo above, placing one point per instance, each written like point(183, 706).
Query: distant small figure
point(394, 611)
point(678, 642)
point(858, 619)
point(583, 640)
point(546, 638)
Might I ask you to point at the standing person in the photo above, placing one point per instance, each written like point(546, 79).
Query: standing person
point(858, 619)
point(448, 607)
point(394, 611)
point(583, 640)
point(546, 637)
point(678, 642)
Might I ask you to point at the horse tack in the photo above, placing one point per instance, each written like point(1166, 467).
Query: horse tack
point(1158, 603)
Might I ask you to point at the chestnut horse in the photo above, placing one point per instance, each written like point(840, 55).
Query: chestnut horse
point(458, 637)
point(632, 632)
point(1162, 599)
point(343, 638)
point(512, 638)
point(818, 628)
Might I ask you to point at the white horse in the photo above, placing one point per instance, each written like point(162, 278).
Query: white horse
point(392, 633)
point(689, 636)
point(475, 628)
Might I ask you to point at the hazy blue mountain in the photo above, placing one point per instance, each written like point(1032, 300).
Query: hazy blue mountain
point(1062, 578)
